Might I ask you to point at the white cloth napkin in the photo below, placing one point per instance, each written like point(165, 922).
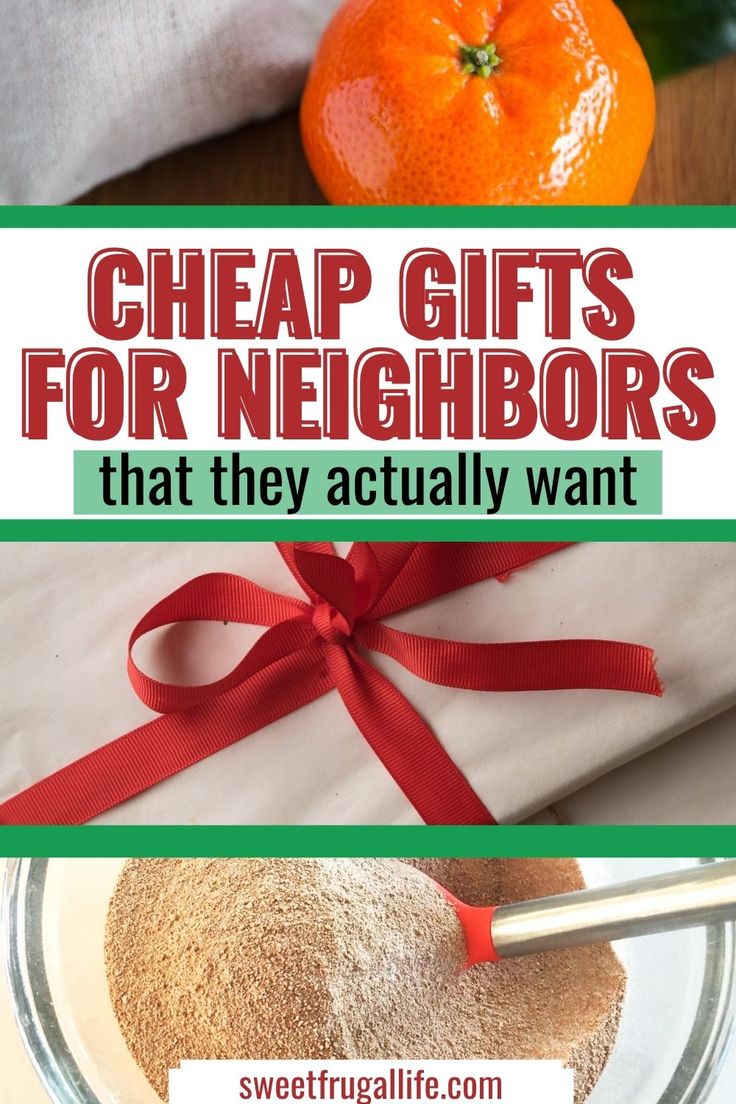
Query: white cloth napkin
point(67, 610)
point(91, 88)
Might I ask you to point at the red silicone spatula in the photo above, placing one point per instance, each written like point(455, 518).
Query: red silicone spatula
point(665, 902)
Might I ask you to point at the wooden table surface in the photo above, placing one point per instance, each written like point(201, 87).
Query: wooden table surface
point(693, 159)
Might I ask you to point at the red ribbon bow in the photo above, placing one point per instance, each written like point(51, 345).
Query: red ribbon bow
point(312, 647)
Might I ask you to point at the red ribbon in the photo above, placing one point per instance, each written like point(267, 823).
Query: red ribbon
point(315, 646)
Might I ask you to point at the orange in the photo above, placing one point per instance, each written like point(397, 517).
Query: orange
point(460, 102)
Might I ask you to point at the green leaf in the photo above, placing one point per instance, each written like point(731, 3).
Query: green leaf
point(678, 34)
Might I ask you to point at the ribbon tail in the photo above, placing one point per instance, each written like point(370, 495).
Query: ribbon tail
point(153, 752)
point(528, 665)
point(406, 746)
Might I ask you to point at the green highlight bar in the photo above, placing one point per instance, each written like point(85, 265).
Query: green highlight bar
point(359, 484)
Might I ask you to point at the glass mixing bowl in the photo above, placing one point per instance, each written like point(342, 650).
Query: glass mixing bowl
point(677, 1021)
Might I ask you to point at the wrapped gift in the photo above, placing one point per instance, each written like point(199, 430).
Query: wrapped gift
point(358, 703)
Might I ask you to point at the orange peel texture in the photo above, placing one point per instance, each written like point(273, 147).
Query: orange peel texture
point(453, 102)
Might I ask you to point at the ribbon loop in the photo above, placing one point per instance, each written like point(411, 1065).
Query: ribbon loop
point(332, 580)
point(288, 550)
point(213, 597)
point(433, 568)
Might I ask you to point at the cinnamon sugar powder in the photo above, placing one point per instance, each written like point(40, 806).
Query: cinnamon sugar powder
point(345, 958)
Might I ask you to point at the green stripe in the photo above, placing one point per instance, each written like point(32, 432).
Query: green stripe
point(622, 842)
point(448, 529)
point(159, 217)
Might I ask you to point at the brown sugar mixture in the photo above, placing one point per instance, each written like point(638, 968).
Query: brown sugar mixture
point(345, 958)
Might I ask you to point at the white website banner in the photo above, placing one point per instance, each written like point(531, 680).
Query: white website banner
point(370, 1082)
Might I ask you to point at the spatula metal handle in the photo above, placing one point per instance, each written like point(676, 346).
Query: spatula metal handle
point(667, 902)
